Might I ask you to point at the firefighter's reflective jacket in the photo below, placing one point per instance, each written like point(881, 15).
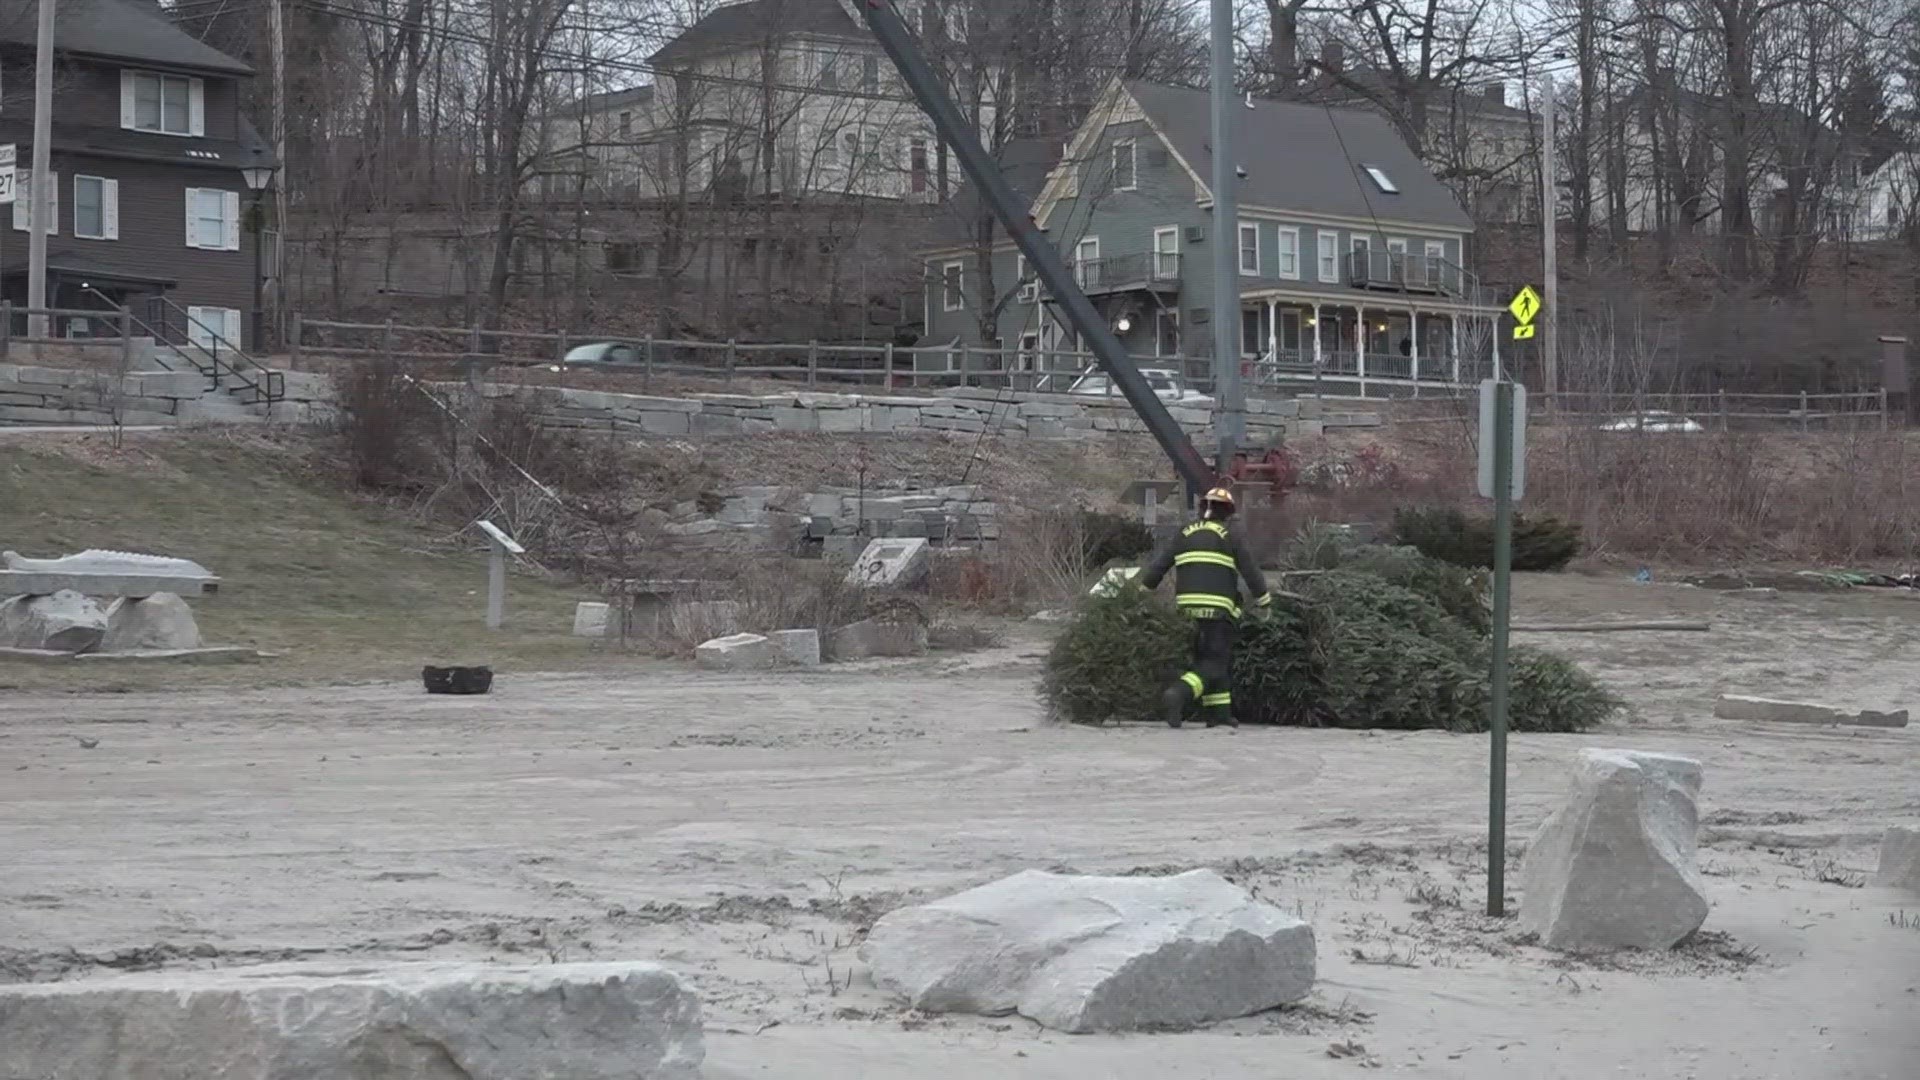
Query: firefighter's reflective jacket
point(1208, 561)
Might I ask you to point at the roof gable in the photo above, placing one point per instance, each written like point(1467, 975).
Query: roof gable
point(117, 30)
point(756, 21)
point(1305, 158)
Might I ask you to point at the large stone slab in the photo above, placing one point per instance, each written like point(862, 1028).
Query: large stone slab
point(162, 621)
point(1096, 953)
point(591, 619)
point(100, 572)
point(1614, 867)
point(798, 647)
point(875, 637)
point(1744, 707)
point(1899, 860)
point(894, 563)
point(602, 1021)
point(63, 621)
point(737, 652)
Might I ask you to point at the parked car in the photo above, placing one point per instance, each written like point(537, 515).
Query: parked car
point(1657, 420)
point(602, 354)
point(1167, 385)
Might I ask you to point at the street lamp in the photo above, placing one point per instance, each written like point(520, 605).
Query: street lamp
point(259, 178)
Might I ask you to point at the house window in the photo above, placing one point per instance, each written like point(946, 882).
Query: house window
point(852, 141)
point(830, 73)
point(1436, 249)
point(1380, 179)
point(1124, 161)
point(830, 153)
point(622, 256)
point(96, 208)
point(917, 166)
point(1360, 264)
point(1250, 250)
point(870, 73)
point(873, 150)
point(23, 202)
point(1086, 261)
point(213, 219)
point(1329, 256)
point(217, 330)
point(1166, 252)
point(662, 161)
point(626, 124)
point(1289, 253)
point(953, 281)
point(167, 104)
point(1166, 333)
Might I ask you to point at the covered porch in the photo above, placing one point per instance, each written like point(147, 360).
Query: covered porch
point(1291, 336)
point(75, 286)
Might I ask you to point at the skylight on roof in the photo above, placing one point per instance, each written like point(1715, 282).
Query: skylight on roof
point(1381, 180)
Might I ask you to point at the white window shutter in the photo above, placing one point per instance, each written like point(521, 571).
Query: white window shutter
point(197, 107)
point(129, 115)
point(193, 196)
point(231, 331)
point(110, 209)
point(22, 199)
point(230, 214)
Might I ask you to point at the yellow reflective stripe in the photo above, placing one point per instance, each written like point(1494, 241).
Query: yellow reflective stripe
point(1231, 605)
point(1215, 558)
point(1194, 683)
point(1224, 697)
point(1265, 599)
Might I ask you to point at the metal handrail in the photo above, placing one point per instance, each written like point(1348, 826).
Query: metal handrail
point(133, 320)
point(271, 386)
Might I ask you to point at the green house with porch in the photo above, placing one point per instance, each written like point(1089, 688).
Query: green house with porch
point(1350, 253)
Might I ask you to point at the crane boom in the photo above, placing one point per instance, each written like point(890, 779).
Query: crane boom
point(984, 172)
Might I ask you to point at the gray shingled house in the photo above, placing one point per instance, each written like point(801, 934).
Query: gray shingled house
point(1350, 253)
point(149, 147)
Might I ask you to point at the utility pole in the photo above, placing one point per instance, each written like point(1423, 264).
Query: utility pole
point(1230, 417)
point(1550, 255)
point(279, 29)
point(42, 189)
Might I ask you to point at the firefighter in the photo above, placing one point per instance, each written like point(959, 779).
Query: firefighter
point(1208, 562)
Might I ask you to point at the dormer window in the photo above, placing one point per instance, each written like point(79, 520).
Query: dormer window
point(163, 104)
point(1381, 180)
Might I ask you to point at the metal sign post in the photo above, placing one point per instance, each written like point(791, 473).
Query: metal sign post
point(1503, 440)
point(502, 545)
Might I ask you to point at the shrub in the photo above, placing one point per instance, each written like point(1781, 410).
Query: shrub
point(1547, 692)
point(1109, 538)
point(1448, 534)
point(1276, 675)
point(1115, 657)
point(1392, 658)
point(1354, 649)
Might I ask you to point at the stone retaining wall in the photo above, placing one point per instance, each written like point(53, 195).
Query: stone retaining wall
point(964, 411)
point(49, 395)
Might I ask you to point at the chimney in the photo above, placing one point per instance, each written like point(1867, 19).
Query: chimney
point(1332, 56)
point(1496, 93)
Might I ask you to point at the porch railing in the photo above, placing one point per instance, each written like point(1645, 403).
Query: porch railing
point(1406, 272)
point(1119, 271)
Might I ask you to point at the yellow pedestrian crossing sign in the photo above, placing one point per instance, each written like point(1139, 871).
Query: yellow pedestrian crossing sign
point(1525, 306)
point(1523, 333)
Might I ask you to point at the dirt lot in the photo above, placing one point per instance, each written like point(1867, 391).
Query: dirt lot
point(744, 830)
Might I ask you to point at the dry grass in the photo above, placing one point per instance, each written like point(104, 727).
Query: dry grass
point(1839, 498)
point(349, 590)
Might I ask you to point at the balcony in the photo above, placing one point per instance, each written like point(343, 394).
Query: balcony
point(1401, 272)
point(1157, 272)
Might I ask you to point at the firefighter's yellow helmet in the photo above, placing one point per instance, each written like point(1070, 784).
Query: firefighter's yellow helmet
point(1221, 497)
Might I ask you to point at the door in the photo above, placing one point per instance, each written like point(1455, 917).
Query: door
point(1166, 333)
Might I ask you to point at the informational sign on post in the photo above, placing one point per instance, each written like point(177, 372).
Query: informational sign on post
point(1517, 426)
point(1503, 441)
point(8, 154)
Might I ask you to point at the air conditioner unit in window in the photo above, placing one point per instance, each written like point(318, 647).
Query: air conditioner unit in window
point(1196, 234)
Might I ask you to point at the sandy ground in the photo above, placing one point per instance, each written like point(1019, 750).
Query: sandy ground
point(745, 829)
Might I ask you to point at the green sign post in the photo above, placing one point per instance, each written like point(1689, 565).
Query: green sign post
point(1503, 441)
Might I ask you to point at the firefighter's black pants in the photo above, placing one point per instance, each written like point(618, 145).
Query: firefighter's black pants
point(1210, 681)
